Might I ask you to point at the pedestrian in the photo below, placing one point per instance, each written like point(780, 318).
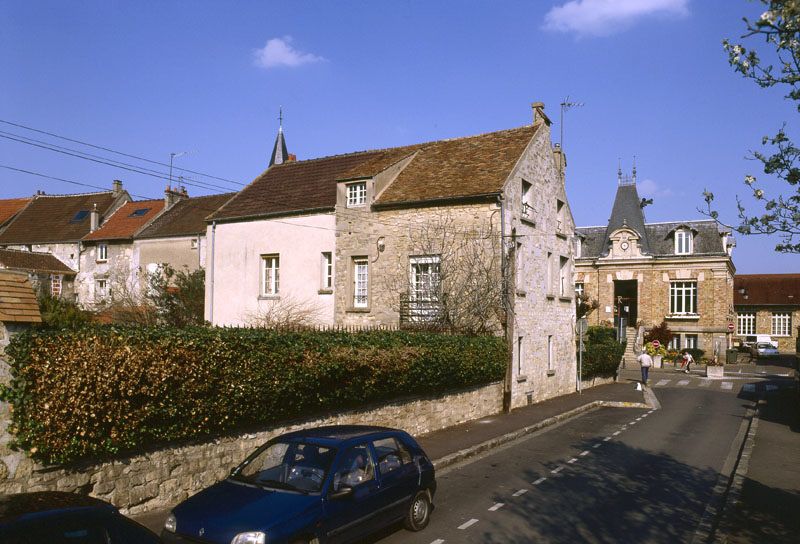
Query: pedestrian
point(646, 361)
point(687, 361)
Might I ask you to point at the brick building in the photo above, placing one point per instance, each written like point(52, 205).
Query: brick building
point(645, 273)
point(768, 304)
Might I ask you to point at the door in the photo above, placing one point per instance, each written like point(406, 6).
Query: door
point(349, 518)
point(626, 299)
point(399, 477)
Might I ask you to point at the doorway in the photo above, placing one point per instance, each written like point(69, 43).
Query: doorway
point(626, 298)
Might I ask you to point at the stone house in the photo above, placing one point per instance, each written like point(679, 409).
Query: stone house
point(768, 304)
point(644, 273)
point(371, 239)
point(45, 273)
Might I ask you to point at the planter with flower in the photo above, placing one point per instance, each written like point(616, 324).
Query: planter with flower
point(657, 353)
point(715, 368)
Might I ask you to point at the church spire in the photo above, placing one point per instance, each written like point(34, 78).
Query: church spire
point(279, 152)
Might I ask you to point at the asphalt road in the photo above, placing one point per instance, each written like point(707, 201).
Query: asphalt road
point(612, 475)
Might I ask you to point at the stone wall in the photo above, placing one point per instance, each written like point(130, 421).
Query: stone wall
point(786, 344)
point(164, 477)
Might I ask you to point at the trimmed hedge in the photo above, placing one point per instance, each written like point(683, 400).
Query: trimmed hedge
point(100, 391)
point(603, 353)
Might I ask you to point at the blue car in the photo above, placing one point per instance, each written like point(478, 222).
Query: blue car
point(56, 517)
point(318, 486)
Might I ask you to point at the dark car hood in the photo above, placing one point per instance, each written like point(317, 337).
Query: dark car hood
point(228, 508)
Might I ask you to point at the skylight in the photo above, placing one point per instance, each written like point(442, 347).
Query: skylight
point(79, 216)
point(139, 212)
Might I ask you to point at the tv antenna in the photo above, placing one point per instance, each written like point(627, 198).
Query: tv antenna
point(565, 105)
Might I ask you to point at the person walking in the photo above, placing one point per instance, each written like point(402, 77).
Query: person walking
point(687, 361)
point(646, 362)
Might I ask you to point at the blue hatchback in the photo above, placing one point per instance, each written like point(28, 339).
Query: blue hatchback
point(325, 485)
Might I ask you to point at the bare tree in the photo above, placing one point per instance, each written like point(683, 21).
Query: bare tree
point(126, 302)
point(285, 313)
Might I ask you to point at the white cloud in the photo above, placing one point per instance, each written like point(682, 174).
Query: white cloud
point(279, 52)
point(648, 188)
point(604, 17)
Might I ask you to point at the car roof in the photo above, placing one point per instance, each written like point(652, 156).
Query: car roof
point(340, 435)
point(26, 506)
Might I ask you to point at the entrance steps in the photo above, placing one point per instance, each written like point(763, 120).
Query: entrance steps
point(629, 357)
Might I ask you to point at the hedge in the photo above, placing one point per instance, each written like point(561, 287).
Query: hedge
point(101, 391)
point(602, 353)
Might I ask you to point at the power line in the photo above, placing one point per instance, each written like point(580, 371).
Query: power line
point(54, 135)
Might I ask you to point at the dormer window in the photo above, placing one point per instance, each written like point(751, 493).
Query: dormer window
point(683, 242)
point(357, 194)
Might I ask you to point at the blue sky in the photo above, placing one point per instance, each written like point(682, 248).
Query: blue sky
point(151, 78)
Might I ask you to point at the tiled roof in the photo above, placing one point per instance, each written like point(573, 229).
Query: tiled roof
point(32, 261)
point(707, 239)
point(766, 289)
point(186, 217)
point(461, 167)
point(127, 220)
point(10, 206)
point(18, 302)
point(56, 218)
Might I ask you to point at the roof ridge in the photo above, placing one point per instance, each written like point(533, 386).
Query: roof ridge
point(25, 251)
point(681, 221)
point(71, 194)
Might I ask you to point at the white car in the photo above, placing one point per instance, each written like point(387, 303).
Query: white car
point(766, 350)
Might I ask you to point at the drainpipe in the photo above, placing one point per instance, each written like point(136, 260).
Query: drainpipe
point(211, 272)
point(508, 329)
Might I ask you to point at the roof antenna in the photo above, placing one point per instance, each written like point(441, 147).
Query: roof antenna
point(280, 118)
point(565, 105)
point(634, 169)
point(619, 171)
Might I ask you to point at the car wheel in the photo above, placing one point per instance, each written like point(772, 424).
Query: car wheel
point(419, 513)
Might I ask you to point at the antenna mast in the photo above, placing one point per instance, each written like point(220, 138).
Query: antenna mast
point(565, 105)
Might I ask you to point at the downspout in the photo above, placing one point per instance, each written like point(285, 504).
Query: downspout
point(506, 303)
point(211, 273)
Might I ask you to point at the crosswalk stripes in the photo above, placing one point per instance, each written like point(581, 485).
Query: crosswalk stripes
point(724, 385)
point(727, 385)
point(683, 382)
point(663, 382)
point(705, 382)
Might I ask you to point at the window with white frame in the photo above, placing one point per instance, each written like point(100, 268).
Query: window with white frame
point(102, 251)
point(527, 208)
point(356, 194)
point(55, 285)
point(100, 289)
point(579, 289)
point(550, 353)
point(194, 243)
point(683, 242)
point(360, 282)
point(327, 270)
point(674, 342)
point(683, 298)
point(746, 323)
point(563, 277)
point(270, 275)
point(691, 341)
point(781, 324)
point(424, 277)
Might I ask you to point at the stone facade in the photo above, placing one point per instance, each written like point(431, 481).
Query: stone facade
point(786, 344)
point(166, 476)
point(119, 271)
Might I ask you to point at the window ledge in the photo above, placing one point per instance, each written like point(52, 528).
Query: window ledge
point(528, 221)
point(269, 297)
point(551, 372)
point(325, 291)
point(521, 293)
point(562, 235)
point(100, 261)
point(357, 310)
point(550, 296)
point(565, 299)
point(683, 316)
point(522, 378)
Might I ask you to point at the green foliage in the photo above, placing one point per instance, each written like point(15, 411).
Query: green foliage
point(99, 391)
point(178, 295)
point(59, 313)
point(696, 354)
point(661, 332)
point(603, 353)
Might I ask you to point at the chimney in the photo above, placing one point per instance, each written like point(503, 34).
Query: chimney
point(538, 113)
point(117, 187)
point(561, 160)
point(171, 196)
point(94, 219)
point(291, 158)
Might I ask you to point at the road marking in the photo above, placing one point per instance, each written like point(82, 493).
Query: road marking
point(727, 385)
point(651, 411)
point(616, 433)
point(705, 382)
point(606, 439)
point(663, 382)
point(540, 480)
point(558, 469)
point(639, 418)
point(634, 422)
point(496, 507)
point(749, 387)
point(586, 452)
point(771, 387)
point(520, 492)
point(438, 541)
point(468, 524)
point(597, 445)
point(763, 371)
point(573, 460)
point(683, 382)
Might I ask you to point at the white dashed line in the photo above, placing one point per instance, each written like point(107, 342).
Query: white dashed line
point(558, 469)
point(606, 439)
point(616, 433)
point(634, 422)
point(639, 418)
point(683, 382)
point(468, 524)
point(438, 541)
point(705, 382)
point(597, 445)
point(586, 452)
point(540, 480)
point(727, 385)
point(573, 460)
point(663, 382)
point(496, 507)
point(651, 411)
point(519, 492)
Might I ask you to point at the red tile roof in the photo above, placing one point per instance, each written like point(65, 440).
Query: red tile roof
point(766, 290)
point(56, 218)
point(32, 261)
point(17, 300)
point(187, 217)
point(10, 206)
point(127, 220)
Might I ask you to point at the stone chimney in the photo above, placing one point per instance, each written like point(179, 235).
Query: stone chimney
point(291, 158)
point(538, 113)
point(94, 219)
point(561, 161)
point(117, 187)
point(171, 196)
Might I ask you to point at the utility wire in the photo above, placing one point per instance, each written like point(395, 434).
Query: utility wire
point(118, 152)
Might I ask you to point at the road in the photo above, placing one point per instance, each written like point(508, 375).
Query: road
point(612, 475)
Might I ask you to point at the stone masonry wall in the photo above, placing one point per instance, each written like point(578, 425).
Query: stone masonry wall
point(786, 344)
point(167, 476)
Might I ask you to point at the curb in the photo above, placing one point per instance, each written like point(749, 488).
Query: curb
point(472, 451)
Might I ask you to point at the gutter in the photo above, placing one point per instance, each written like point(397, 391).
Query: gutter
point(211, 272)
point(507, 385)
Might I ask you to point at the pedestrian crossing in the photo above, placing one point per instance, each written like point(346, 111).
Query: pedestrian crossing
point(723, 385)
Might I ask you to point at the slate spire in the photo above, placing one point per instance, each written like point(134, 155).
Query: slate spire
point(279, 152)
point(627, 211)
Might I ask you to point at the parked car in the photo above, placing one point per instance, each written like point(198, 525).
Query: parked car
point(766, 350)
point(755, 339)
point(56, 517)
point(325, 485)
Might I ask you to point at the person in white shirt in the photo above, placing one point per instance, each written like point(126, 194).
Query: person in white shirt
point(646, 361)
point(687, 361)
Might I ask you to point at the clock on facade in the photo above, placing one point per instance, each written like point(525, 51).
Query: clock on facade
point(624, 246)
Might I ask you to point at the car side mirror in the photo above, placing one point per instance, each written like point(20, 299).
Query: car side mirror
point(344, 492)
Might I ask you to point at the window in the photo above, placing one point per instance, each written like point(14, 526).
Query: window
point(746, 323)
point(194, 243)
point(327, 270)
point(683, 298)
point(527, 209)
point(550, 353)
point(354, 469)
point(139, 212)
point(519, 355)
point(674, 343)
point(691, 341)
point(579, 289)
point(270, 275)
point(100, 289)
point(782, 324)
point(55, 285)
point(425, 278)
point(683, 242)
point(79, 216)
point(356, 194)
point(360, 282)
point(391, 454)
point(560, 222)
point(102, 252)
point(578, 248)
point(549, 273)
point(563, 277)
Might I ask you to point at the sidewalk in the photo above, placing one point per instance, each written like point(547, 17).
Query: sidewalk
point(454, 444)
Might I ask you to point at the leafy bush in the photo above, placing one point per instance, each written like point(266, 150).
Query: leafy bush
point(99, 391)
point(178, 296)
point(661, 332)
point(60, 313)
point(696, 354)
point(602, 353)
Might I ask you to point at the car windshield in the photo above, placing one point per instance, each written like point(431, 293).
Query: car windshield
point(293, 466)
point(764, 346)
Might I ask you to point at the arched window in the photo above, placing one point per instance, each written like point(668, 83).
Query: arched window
point(683, 242)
